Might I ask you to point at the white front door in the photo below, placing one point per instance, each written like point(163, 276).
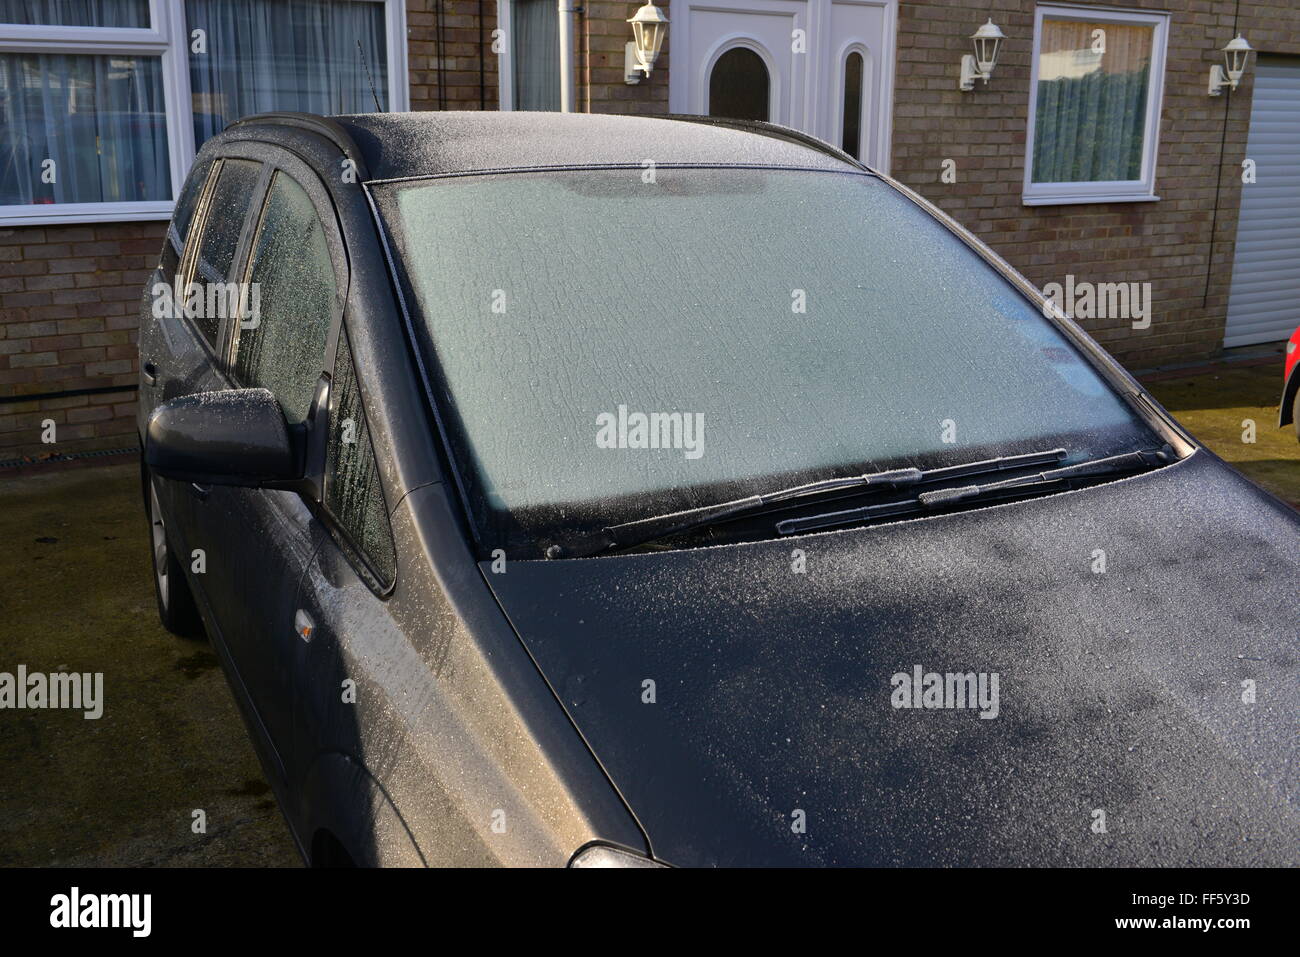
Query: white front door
point(822, 66)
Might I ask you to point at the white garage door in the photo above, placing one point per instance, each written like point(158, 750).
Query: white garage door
point(1264, 302)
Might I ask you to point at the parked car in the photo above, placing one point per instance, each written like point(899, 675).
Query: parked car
point(1289, 407)
point(616, 491)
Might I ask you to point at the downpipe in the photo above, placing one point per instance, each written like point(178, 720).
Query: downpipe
point(568, 19)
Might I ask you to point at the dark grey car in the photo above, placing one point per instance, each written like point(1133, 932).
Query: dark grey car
point(607, 490)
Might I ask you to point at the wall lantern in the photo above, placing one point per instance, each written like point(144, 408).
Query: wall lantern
point(1234, 55)
point(987, 40)
point(649, 27)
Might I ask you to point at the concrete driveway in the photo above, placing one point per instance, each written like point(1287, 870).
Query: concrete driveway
point(76, 594)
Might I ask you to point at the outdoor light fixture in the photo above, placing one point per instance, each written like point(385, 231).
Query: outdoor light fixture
point(987, 41)
point(1234, 55)
point(649, 27)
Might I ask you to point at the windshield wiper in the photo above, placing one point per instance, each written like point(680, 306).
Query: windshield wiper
point(1035, 483)
point(656, 527)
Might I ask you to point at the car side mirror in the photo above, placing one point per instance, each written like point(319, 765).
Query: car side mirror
point(232, 437)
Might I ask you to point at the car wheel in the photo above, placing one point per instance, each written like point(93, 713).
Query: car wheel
point(1295, 414)
point(176, 608)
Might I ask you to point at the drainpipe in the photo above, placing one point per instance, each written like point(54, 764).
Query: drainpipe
point(567, 9)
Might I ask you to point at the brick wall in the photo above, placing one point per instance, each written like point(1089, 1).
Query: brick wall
point(69, 297)
point(1166, 243)
point(467, 79)
point(603, 35)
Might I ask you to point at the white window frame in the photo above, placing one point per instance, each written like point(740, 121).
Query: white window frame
point(167, 39)
point(1141, 190)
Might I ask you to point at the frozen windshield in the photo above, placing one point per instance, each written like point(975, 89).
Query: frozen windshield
point(608, 345)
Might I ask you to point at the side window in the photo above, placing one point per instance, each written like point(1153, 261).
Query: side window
point(222, 224)
point(179, 227)
point(289, 302)
point(353, 493)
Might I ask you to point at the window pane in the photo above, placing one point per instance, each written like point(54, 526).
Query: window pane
point(536, 61)
point(221, 229)
point(82, 129)
point(179, 227)
point(738, 86)
point(282, 346)
point(353, 493)
point(852, 105)
point(1092, 101)
point(76, 13)
point(264, 55)
point(188, 202)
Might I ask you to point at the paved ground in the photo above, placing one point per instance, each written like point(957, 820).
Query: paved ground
point(76, 594)
point(1213, 403)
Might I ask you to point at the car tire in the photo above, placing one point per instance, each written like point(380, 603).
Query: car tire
point(1295, 414)
point(176, 608)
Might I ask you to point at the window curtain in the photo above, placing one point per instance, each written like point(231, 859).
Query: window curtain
point(101, 119)
point(299, 55)
point(535, 27)
point(1090, 118)
point(76, 13)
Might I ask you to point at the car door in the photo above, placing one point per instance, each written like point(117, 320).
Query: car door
point(294, 285)
point(344, 597)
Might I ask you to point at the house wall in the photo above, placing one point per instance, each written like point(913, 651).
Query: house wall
point(468, 76)
point(1175, 243)
point(69, 294)
point(603, 35)
point(69, 301)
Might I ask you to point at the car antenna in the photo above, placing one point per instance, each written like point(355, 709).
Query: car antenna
point(365, 63)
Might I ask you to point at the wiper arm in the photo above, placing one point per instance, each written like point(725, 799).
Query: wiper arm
point(662, 526)
point(1007, 488)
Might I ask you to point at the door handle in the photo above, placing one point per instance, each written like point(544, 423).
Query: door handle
point(200, 491)
point(150, 373)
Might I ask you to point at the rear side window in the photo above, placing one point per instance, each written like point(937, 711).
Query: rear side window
point(353, 492)
point(222, 225)
point(185, 206)
point(290, 301)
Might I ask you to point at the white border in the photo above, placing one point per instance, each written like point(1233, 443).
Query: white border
point(167, 39)
point(1112, 191)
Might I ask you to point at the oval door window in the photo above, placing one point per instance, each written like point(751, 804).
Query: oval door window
point(853, 105)
point(739, 87)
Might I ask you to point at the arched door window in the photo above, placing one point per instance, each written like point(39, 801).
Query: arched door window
point(852, 139)
point(739, 86)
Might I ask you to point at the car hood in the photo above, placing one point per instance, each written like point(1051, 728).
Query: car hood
point(746, 711)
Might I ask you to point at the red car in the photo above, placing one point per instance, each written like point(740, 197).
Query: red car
point(1289, 408)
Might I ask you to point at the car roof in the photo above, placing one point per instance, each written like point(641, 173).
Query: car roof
point(403, 145)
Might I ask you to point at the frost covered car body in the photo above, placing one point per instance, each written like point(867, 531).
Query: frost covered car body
point(572, 483)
